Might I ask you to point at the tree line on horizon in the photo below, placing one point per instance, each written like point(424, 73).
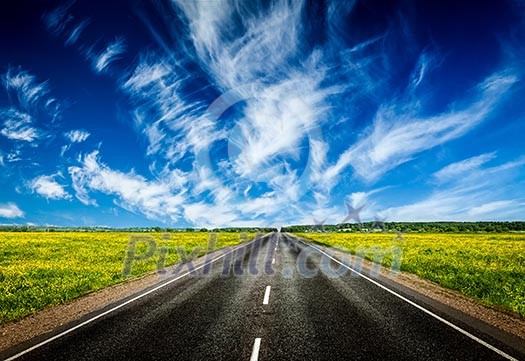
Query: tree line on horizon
point(414, 227)
point(411, 227)
point(24, 228)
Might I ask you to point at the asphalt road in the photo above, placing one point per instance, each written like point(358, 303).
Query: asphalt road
point(292, 314)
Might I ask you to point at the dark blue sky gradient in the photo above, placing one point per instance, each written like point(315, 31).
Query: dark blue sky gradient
point(327, 100)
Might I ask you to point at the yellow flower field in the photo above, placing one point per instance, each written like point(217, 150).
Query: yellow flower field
point(488, 267)
point(43, 269)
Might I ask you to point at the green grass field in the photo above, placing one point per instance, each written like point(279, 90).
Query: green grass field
point(487, 267)
point(38, 270)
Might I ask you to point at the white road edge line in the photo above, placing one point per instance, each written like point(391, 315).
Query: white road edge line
point(255, 351)
point(266, 295)
point(428, 312)
point(69, 330)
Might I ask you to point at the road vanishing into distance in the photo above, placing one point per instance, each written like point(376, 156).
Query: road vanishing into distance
point(224, 311)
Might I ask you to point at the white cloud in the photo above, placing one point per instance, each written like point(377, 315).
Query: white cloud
point(18, 125)
point(263, 65)
point(492, 207)
point(398, 134)
point(32, 96)
point(147, 74)
point(370, 208)
point(358, 199)
point(269, 42)
point(261, 54)
point(442, 206)
point(58, 19)
point(458, 206)
point(198, 196)
point(10, 210)
point(451, 171)
point(155, 199)
point(76, 32)
point(277, 120)
point(479, 194)
point(77, 136)
point(64, 149)
point(60, 22)
point(209, 215)
point(284, 96)
point(30, 113)
point(425, 64)
point(14, 156)
point(48, 187)
point(172, 125)
point(113, 52)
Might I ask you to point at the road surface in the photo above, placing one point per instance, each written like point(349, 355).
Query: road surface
point(217, 313)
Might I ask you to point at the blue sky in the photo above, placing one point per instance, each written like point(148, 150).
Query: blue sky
point(181, 113)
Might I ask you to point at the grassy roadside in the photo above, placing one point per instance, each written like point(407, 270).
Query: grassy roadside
point(39, 270)
point(487, 267)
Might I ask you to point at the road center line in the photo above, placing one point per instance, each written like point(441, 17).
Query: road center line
point(255, 351)
point(430, 313)
point(266, 295)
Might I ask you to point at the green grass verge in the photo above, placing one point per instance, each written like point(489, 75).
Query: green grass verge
point(39, 270)
point(487, 267)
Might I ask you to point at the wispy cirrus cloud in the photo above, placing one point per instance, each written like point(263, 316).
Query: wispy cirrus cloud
point(59, 18)
point(62, 23)
point(262, 63)
point(399, 133)
point(425, 64)
point(30, 115)
point(287, 88)
point(259, 50)
point(14, 156)
point(77, 135)
point(74, 136)
point(173, 125)
point(10, 211)
point(172, 196)
point(479, 193)
point(74, 35)
point(276, 80)
point(280, 117)
point(49, 188)
point(457, 169)
point(18, 126)
point(31, 96)
point(458, 206)
point(30, 100)
point(155, 199)
point(288, 95)
point(494, 207)
point(113, 52)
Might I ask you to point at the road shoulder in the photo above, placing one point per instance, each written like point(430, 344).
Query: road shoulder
point(499, 324)
point(47, 321)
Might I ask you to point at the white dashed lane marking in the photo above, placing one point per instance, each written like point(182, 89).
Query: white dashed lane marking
point(266, 295)
point(255, 351)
